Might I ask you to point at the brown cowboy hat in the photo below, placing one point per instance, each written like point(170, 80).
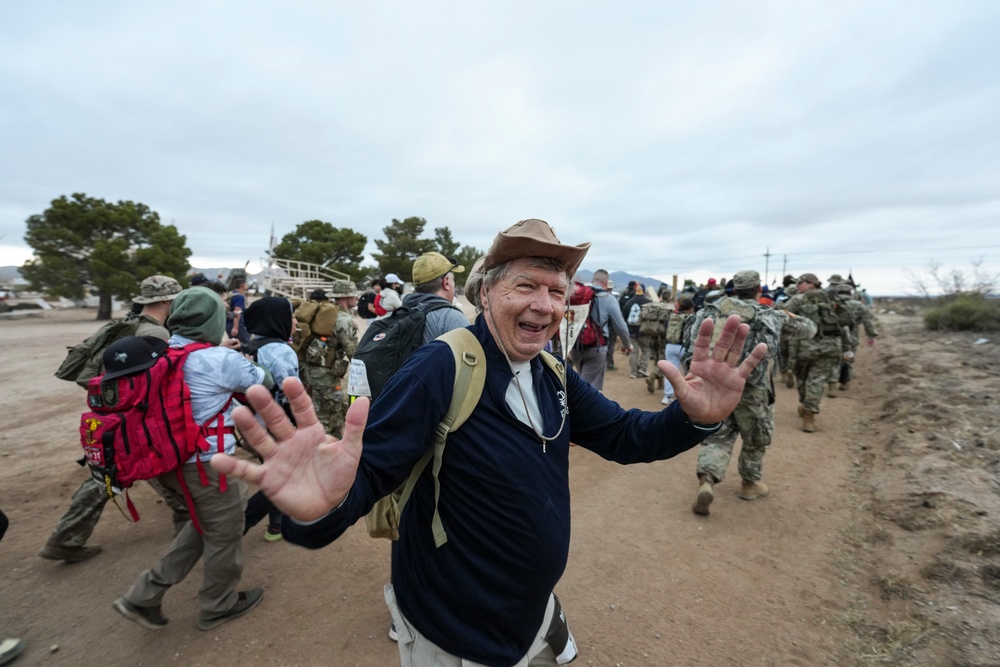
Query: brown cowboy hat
point(533, 238)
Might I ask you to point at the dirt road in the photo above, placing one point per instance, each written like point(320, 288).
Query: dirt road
point(770, 582)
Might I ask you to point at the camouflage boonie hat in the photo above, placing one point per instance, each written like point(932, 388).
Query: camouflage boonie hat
point(843, 288)
point(157, 288)
point(746, 280)
point(342, 288)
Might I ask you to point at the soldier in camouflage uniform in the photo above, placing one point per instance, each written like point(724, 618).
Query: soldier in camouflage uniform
point(753, 418)
point(819, 356)
point(327, 359)
point(68, 541)
point(860, 315)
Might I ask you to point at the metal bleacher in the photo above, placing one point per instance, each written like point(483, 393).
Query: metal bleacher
point(293, 279)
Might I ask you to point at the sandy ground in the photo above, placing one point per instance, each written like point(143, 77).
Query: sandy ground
point(819, 573)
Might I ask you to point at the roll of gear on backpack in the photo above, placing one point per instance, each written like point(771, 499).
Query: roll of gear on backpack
point(470, 378)
point(139, 424)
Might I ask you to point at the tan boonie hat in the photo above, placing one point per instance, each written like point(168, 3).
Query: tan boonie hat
point(746, 280)
point(534, 238)
point(342, 288)
point(157, 288)
point(433, 265)
point(810, 278)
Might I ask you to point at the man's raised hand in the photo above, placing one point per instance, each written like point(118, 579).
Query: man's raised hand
point(305, 473)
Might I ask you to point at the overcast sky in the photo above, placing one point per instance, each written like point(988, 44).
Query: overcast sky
point(680, 138)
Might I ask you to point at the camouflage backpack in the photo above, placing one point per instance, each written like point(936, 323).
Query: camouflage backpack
point(830, 316)
point(675, 328)
point(653, 318)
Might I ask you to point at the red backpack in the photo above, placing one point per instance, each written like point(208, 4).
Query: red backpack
point(140, 423)
point(592, 334)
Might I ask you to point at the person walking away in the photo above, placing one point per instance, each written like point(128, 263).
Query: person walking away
point(238, 305)
point(482, 590)
point(753, 418)
point(590, 362)
point(860, 316)
point(270, 322)
point(213, 375)
point(68, 540)
point(818, 356)
point(638, 360)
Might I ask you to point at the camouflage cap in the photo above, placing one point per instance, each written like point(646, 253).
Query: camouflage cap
point(342, 289)
point(748, 279)
point(843, 288)
point(157, 288)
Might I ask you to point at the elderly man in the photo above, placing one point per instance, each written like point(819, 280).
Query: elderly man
point(485, 595)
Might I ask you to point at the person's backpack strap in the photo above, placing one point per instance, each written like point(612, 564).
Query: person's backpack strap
point(470, 378)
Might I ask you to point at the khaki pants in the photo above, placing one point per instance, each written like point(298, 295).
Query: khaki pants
point(415, 650)
point(220, 514)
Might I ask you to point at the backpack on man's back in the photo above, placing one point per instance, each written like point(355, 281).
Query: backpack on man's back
point(592, 333)
point(84, 360)
point(653, 319)
point(385, 345)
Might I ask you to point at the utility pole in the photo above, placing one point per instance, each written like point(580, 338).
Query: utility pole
point(767, 265)
point(784, 267)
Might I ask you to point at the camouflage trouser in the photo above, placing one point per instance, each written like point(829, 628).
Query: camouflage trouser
point(657, 353)
point(329, 400)
point(753, 421)
point(815, 363)
point(77, 525)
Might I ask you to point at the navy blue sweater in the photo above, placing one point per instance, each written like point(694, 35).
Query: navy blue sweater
point(504, 501)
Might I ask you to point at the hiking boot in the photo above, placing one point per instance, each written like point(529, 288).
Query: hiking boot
point(705, 495)
point(393, 635)
point(790, 379)
point(650, 384)
point(272, 534)
point(245, 602)
point(752, 490)
point(151, 618)
point(69, 554)
point(843, 385)
point(831, 389)
point(809, 422)
point(801, 410)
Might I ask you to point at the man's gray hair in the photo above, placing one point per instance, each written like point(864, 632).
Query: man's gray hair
point(500, 271)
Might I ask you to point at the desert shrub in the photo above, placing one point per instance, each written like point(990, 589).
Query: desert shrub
point(968, 311)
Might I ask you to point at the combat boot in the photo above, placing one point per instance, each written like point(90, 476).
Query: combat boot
point(659, 382)
point(650, 383)
point(831, 389)
point(705, 495)
point(752, 490)
point(843, 385)
point(809, 422)
point(790, 379)
point(69, 554)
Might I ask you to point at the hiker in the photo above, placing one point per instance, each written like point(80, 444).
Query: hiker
point(486, 594)
point(68, 541)
point(270, 321)
point(213, 374)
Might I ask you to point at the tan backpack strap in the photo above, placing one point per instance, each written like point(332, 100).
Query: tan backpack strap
point(470, 378)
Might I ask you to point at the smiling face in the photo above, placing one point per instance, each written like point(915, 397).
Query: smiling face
point(524, 308)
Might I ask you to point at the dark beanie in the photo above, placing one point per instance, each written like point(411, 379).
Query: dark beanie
point(199, 314)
